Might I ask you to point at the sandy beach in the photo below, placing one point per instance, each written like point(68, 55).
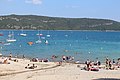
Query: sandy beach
point(52, 71)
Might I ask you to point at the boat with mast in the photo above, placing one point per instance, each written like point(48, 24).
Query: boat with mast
point(39, 40)
point(39, 33)
point(46, 41)
point(23, 34)
point(48, 34)
point(11, 37)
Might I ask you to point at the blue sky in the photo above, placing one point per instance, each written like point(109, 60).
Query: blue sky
point(105, 9)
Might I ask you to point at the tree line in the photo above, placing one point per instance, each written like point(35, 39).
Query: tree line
point(35, 22)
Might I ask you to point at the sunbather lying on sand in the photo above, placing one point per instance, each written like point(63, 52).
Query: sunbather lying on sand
point(31, 67)
point(5, 62)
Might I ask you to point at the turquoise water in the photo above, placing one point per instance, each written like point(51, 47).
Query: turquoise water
point(80, 44)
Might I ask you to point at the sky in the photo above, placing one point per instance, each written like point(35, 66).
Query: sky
point(102, 9)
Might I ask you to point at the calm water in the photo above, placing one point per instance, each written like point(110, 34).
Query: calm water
point(80, 44)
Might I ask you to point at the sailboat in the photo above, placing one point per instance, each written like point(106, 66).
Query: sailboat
point(39, 40)
point(23, 34)
point(46, 41)
point(39, 34)
point(48, 35)
point(11, 37)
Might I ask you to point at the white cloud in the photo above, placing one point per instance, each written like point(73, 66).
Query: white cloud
point(34, 1)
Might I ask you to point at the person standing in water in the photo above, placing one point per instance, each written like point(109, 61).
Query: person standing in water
point(10, 56)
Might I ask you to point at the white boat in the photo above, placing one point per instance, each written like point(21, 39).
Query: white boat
point(7, 44)
point(48, 35)
point(39, 40)
point(39, 34)
point(10, 34)
point(11, 37)
point(23, 34)
point(46, 41)
point(10, 40)
point(43, 37)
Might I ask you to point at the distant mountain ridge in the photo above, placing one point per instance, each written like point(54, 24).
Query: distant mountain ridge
point(35, 22)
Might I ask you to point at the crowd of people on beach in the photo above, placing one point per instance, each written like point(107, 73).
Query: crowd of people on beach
point(96, 66)
point(30, 67)
point(39, 60)
point(5, 60)
point(90, 65)
point(67, 58)
point(112, 64)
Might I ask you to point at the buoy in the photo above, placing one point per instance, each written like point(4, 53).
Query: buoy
point(30, 43)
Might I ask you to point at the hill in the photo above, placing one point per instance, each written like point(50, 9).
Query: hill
point(56, 23)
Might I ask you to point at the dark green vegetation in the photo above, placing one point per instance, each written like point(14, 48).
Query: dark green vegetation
point(56, 23)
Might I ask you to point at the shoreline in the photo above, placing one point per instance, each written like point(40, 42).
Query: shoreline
point(63, 30)
point(52, 71)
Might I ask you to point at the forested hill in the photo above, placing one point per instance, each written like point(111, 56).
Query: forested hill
point(56, 23)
